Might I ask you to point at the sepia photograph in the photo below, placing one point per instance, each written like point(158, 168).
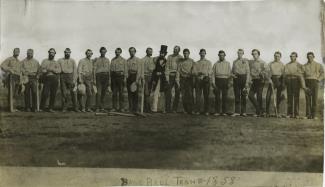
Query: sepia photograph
point(162, 93)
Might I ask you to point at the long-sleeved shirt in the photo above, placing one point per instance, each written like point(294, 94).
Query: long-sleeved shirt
point(134, 66)
point(313, 70)
point(85, 68)
point(203, 67)
point(241, 67)
point(119, 65)
point(221, 69)
point(172, 64)
point(102, 65)
point(148, 65)
point(69, 66)
point(185, 68)
point(11, 64)
point(50, 67)
point(276, 68)
point(293, 69)
point(30, 67)
point(258, 67)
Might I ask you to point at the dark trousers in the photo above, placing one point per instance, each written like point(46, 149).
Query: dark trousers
point(221, 89)
point(14, 82)
point(31, 93)
point(117, 81)
point(51, 83)
point(293, 93)
point(85, 100)
point(257, 89)
point(147, 91)
point(187, 93)
point(202, 86)
point(311, 99)
point(102, 81)
point(67, 85)
point(240, 96)
point(278, 86)
point(172, 84)
point(132, 96)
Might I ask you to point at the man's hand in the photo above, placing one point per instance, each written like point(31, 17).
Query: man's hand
point(307, 91)
point(109, 89)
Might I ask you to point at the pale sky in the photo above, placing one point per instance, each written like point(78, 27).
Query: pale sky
point(284, 25)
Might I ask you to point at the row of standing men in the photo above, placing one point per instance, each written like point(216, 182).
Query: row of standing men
point(159, 75)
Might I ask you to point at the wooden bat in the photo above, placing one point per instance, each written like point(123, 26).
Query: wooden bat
point(11, 102)
point(37, 96)
point(274, 101)
point(115, 113)
point(142, 97)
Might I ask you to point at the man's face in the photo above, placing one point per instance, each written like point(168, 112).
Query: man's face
point(240, 54)
point(293, 57)
point(277, 57)
point(30, 54)
point(255, 55)
point(202, 54)
point(310, 57)
point(67, 54)
point(162, 54)
point(176, 50)
point(89, 54)
point(186, 54)
point(149, 52)
point(221, 56)
point(103, 52)
point(51, 54)
point(16, 52)
point(118, 52)
point(132, 52)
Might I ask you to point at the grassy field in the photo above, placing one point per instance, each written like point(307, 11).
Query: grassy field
point(172, 141)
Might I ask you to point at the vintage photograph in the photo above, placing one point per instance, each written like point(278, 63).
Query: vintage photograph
point(162, 85)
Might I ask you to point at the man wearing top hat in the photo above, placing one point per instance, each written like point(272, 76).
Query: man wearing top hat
point(159, 78)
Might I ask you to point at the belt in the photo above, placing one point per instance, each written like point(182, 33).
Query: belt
point(132, 72)
point(222, 76)
point(102, 73)
point(276, 76)
point(172, 73)
point(292, 76)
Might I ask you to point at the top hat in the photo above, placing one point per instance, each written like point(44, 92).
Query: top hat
point(163, 48)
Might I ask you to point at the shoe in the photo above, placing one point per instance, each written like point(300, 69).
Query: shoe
point(244, 114)
point(89, 110)
point(315, 118)
point(64, 110)
point(256, 116)
point(223, 114)
point(83, 110)
point(197, 113)
point(235, 114)
point(216, 114)
point(114, 110)
point(207, 113)
point(97, 110)
point(27, 110)
point(174, 111)
point(164, 112)
point(51, 110)
point(76, 110)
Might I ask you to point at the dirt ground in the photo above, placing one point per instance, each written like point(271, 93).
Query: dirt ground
point(172, 141)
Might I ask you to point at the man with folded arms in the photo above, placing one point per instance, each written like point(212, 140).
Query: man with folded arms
point(185, 74)
point(221, 74)
point(30, 69)
point(118, 70)
point(50, 70)
point(240, 70)
point(68, 80)
point(173, 61)
point(102, 81)
point(86, 76)
point(313, 74)
point(202, 71)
